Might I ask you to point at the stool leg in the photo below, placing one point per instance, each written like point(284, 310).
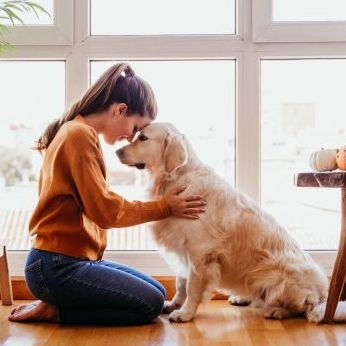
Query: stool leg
point(339, 272)
point(5, 282)
point(343, 293)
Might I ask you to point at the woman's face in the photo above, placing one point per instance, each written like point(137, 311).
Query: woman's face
point(120, 125)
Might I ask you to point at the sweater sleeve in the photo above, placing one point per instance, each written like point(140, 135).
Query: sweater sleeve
point(83, 156)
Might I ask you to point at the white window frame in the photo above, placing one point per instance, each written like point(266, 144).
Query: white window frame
point(59, 33)
point(240, 47)
point(264, 29)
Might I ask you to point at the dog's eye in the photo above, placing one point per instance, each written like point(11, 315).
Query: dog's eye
point(142, 138)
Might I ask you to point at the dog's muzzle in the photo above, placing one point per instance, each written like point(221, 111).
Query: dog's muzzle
point(121, 155)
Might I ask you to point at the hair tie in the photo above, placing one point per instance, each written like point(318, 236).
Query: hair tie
point(129, 72)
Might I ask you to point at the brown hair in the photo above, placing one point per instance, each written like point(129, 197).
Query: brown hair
point(118, 84)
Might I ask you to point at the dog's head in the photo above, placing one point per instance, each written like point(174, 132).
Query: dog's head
point(158, 146)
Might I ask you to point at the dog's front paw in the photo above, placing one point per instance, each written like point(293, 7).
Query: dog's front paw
point(169, 307)
point(238, 301)
point(180, 316)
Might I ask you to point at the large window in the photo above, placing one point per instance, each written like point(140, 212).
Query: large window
point(309, 10)
point(157, 17)
point(303, 109)
point(32, 94)
point(255, 84)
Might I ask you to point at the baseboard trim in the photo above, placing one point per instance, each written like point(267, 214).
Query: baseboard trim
point(21, 292)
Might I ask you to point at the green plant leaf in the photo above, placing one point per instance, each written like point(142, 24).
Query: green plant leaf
point(37, 6)
point(22, 4)
point(34, 10)
point(9, 16)
point(26, 8)
point(3, 28)
point(12, 15)
point(15, 7)
point(5, 47)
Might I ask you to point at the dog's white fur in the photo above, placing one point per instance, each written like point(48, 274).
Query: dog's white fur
point(235, 245)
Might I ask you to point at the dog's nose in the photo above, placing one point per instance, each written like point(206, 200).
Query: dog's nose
point(120, 153)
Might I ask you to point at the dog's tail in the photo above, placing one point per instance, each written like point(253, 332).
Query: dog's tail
point(317, 313)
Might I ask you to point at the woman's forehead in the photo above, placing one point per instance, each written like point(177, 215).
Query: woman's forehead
point(143, 121)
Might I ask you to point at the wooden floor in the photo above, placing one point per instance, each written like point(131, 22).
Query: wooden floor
point(216, 323)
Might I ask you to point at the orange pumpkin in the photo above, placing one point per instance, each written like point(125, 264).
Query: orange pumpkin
point(341, 158)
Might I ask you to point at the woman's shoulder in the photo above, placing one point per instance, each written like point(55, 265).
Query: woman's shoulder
point(77, 133)
point(77, 130)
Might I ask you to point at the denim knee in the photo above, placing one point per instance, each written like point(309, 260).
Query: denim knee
point(157, 302)
point(162, 289)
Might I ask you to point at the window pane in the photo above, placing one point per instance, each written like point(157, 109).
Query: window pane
point(157, 17)
point(198, 97)
point(30, 18)
point(309, 10)
point(302, 109)
point(32, 95)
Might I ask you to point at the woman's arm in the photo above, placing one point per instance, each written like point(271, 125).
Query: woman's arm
point(84, 161)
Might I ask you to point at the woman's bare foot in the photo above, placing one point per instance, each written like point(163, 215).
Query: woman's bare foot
point(36, 311)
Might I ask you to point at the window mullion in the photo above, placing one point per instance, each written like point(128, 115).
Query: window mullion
point(248, 125)
point(77, 62)
point(77, 76)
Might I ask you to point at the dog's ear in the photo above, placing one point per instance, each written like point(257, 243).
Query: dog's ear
point(175, 154)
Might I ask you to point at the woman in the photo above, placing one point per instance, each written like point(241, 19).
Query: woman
point(64, 269)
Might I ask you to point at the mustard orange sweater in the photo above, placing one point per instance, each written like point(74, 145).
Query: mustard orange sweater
point(75, 206)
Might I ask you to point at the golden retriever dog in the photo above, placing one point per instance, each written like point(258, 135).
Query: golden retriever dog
point(234, 246)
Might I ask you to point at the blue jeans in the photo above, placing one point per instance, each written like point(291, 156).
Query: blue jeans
point(93, 292)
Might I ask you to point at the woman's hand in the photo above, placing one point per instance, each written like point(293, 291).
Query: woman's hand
point(185, 206)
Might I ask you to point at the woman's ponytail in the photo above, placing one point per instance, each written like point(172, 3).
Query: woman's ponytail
point(115, 85)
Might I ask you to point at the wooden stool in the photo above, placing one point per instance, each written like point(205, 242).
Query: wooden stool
point(5, 282)
point(337, 288)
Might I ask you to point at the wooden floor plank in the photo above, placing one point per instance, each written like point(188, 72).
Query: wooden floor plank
point(216, 324)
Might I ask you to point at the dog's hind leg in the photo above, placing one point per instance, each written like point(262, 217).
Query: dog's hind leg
point(196, 285)
point(179, 297)
point(279, 312)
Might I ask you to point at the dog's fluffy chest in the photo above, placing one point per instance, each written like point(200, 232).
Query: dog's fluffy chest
point(172, 243)
point(170, 234)
point(179, 238)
